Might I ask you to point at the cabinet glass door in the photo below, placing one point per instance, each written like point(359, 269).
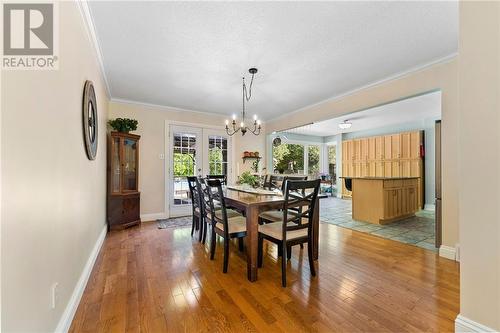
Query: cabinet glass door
point(115, 166)
point(129, 165)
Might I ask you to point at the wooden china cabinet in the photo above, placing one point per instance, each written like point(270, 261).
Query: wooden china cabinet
point(123, 206)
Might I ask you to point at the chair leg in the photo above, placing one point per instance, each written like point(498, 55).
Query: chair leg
point(212, 244)
point(192, 226)
point(283, 265)
point(240, 244)
point(200, 223)
point(310, 256)
point(226, 255)
point(289, 252)
point(280, 249)
point(260, 251)
point(205, 227)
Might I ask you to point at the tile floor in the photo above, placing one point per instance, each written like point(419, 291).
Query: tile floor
point(417, 230)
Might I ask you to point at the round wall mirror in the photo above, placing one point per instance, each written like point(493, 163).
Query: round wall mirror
point(90, 128)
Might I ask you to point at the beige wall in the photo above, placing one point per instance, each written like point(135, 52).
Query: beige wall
point(152, 170)
point(479, 81)
point(53, 207)
point(441, 76)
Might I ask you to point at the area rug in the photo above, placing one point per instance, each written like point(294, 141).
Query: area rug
point(175, 222)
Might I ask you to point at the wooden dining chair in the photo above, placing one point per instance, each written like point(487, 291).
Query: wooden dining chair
point(291, 229)
point(276, 214)
point(206, 208)
point(196, 206)
point(222, 225)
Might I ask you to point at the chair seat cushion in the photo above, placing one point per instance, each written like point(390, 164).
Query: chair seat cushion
point(229, 212)
point(275, 230)
point(236, 224)
point(276, 215)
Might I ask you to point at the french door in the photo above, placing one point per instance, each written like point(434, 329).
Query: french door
point(194, 151)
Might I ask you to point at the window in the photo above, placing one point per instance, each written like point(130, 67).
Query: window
point(332, 158)
point(313, 160)
point(217, 155)
point(288, 158)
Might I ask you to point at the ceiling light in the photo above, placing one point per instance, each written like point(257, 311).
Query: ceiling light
point(345, 124)
point(247, 94)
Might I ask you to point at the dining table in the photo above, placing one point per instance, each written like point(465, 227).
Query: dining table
point(252, 203)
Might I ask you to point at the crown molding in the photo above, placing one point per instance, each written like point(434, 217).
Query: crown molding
point(168, 108)
point(394, 77)
point(86, 13)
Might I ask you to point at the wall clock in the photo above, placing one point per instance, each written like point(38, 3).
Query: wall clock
point(90, 122)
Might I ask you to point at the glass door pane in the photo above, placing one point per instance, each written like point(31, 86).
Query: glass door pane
point(115, 166)
point(186, 161)
point(129, 165)
point(217, 155)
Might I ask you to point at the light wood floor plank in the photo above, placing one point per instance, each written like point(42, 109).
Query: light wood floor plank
point(151, 280)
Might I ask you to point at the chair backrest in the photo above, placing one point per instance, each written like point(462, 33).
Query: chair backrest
point(300, 177)
point(216, 195)
point(265, 181)
point(193, 190)
point(222, 178)
point(275, 182)
point(299, 195)
point(278, 181)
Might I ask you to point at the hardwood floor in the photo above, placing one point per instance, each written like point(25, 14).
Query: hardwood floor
point(151, 280)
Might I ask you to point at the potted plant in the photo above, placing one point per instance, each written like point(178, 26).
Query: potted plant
point(123, 125)
point(246, 178)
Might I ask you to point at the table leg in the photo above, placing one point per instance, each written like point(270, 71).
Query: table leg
point(315, 230)
point(252, 242)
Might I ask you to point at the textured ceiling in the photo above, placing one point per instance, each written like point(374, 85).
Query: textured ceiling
point(410, 110)
point(192, 54)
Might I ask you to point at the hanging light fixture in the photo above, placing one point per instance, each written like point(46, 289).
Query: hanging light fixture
point(247, 94)
point(345, 124)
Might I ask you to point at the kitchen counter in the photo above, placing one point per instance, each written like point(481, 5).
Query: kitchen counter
point(383, 200)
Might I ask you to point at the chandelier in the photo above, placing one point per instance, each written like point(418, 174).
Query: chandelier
point(247, 94)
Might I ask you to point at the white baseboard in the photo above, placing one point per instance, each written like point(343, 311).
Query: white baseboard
point(68, 314)
point(466, 325)
point(430, 207)
point(448, 252)
point(153, 217)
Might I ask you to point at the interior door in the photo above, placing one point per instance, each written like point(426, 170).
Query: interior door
point(186, 159)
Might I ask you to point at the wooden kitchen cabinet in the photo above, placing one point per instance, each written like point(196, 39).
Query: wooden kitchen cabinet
point(389, 156)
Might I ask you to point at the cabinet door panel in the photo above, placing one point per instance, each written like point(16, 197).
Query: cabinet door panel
point(379, 169)
point(387, 169)
point(405, 145)
point(372, 148)
point(364, 148)
point(396, 169)
point(379, 147)
point(416, 140)
point(405, 168)
point(395, 146)
point(387, 147)
point(357, 150)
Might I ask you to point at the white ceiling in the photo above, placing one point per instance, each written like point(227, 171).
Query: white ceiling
point(409, 110)
point(192, 55)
